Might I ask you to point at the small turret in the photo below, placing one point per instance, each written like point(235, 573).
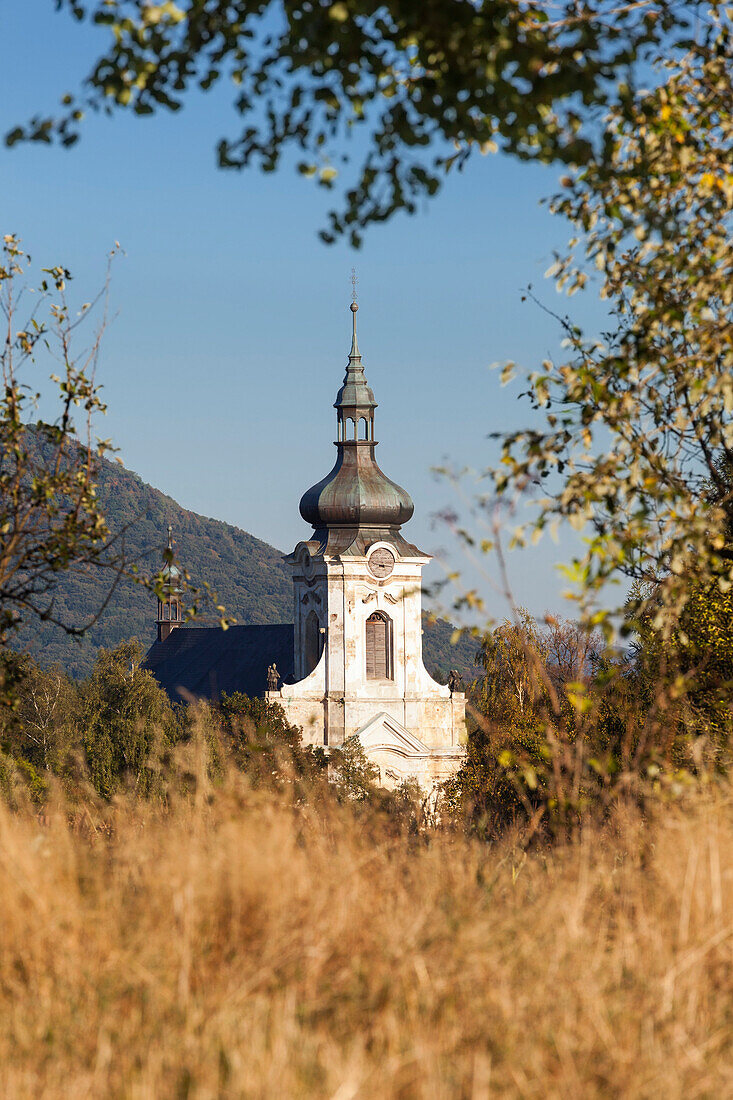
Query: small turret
point(170, 609)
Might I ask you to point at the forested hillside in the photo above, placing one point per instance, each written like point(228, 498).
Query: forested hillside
point(247, 575)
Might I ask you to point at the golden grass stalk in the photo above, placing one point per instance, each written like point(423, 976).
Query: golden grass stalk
point(235, 946)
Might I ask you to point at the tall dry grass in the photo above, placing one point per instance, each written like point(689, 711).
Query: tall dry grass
point(237, 947)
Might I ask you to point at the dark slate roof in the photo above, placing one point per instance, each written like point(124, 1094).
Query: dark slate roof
point(205, 662)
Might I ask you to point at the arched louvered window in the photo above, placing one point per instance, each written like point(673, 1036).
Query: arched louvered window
point(313, 642)
point(379, 647)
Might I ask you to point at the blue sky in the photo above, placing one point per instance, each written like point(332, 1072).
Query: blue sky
point(231, 323)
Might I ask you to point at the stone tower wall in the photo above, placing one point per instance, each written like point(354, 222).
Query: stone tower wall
point(336, 700)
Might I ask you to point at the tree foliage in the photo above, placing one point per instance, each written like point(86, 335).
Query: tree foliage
point(693, 664)
point(523, 712)
point(263, 743)
point(55, 537)
point(126, 720)
point(351, 771)
point(41, 724)
point(512, 658)
point(50, 519)
point(424, 86)
point(635, 453)
point(636, 423)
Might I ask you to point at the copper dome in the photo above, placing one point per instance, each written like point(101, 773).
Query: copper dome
point(356, 493)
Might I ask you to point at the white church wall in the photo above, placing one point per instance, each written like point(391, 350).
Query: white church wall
point(336, 700)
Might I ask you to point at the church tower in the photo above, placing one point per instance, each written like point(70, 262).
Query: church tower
point(170, 609)
point(358, 615)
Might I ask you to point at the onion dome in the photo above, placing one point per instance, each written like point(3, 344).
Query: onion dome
point(356, 493)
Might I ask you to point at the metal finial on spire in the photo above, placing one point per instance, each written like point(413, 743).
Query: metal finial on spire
point(354, 308)
point(170, 536)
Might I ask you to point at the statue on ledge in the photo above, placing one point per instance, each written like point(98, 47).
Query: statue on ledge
point(273, 678)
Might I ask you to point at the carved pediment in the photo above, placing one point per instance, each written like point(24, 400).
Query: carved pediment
point(385, 733)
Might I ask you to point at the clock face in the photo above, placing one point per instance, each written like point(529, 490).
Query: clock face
point(381, 563)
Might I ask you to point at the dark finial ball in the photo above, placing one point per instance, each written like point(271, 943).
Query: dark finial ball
point(354, 307)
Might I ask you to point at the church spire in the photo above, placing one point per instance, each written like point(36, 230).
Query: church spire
point(356, 494)
point(355, 402)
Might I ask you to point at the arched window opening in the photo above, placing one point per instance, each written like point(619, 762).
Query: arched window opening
point(363, 428)
point(166, 612)
point(350, 429)
point(174, 612)
point(341, 430)
point(313, 642)
point(378, 647)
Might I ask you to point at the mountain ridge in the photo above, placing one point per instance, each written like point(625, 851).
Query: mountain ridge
point(246, 574)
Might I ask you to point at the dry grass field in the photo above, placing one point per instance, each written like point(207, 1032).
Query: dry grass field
point(234, 946)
